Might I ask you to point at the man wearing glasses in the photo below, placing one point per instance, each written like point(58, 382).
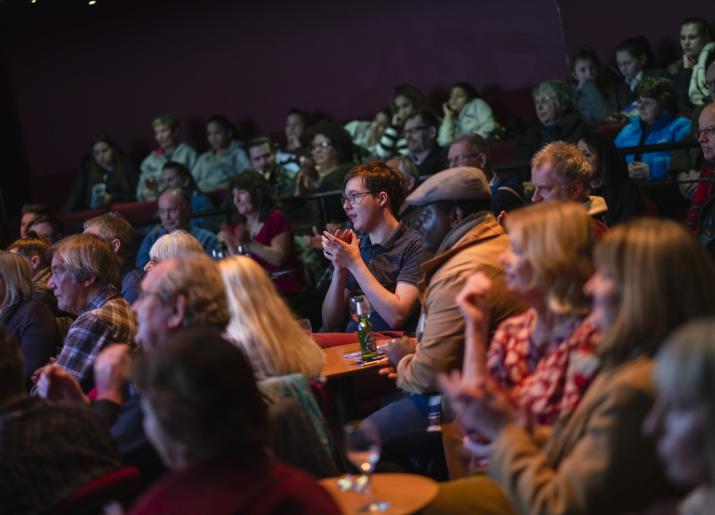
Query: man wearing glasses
point(706, 138)
point(384, 265)
point(421, 136)
point(507, 190)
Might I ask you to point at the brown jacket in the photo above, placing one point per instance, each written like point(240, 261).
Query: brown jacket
point(596, 461)
point(472, 246)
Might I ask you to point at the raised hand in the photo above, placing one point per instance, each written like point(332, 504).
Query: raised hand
point(111, 372)
point(343, 254)
point(54, 384)
point(473, 299)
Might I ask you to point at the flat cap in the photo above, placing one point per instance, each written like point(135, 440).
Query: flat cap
point(463, 183)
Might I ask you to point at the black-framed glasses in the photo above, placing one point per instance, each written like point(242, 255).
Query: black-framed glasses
point(460, 158)
point(708, 131)
point(354, 198)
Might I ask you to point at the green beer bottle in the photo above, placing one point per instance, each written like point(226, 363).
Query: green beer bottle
point(368, 349)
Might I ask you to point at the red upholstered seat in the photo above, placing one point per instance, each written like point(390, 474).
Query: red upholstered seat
point(119, 485)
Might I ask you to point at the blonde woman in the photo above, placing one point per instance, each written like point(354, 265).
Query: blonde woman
point(651, 277)
point(683, 416)
point(544, 357)
point(29, 321)
point(263, 326)
point(170, 245)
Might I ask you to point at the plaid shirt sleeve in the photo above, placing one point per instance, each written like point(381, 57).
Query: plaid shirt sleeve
point(85, 338)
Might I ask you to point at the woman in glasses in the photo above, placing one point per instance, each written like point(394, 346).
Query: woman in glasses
point(331, 156)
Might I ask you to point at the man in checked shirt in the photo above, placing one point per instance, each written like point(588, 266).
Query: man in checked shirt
point(85, 271)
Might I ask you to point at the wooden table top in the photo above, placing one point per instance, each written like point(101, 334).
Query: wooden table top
point(406, 493)
point(338, 366)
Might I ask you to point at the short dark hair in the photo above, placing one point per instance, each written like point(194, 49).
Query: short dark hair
point(12, 370)
point(660, 89)
point(202, 390)
point(183, 172)
point(428, 117)
point(260, 141)
point(50, 219)
point(223, 121)
point(340, 139)
point(476, 144)
point(638, 46)
point(35, 209)
point(258, 188)
point(114, 226)
point(167, 119)
point(468, 89)
point(377, 177)
point(300, 112)
point(413, 93)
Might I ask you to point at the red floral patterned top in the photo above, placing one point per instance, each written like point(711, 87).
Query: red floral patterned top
point(547, 382)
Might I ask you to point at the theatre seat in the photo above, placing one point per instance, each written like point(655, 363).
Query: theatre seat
point(120, 485)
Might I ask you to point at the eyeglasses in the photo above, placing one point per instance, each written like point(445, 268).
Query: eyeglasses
point(413, 130)
point(707, 131)
point(354, 198)
point(323, 145)
point(462, 157)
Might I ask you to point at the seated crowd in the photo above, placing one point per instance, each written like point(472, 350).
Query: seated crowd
point(563, 345)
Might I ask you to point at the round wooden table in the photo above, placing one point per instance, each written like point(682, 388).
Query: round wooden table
point(406, 493)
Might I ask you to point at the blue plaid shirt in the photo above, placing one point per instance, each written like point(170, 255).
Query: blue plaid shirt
point(106, 319)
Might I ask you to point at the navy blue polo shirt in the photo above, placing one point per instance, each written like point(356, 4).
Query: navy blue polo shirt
point(395, 260)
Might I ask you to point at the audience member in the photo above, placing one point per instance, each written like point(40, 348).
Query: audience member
point(609, 178)
point(263, 326)
point(115, 230)
point(27, 320)
point(105, 175)
point(170, 245)
point(689, 161)
point(657, 122)
point(216, 451)
point(367, 135)
point(263, 160)
point(224, 161)
point(457, 225)
point(682, 416)
point(636, 62)
point(174, 213)
point(85, 271)
point(182, 292)
point(47, 226)
point(560, 172)
point(406, 99)
point(507, 190)
point(597, 461)
point(47, 452)
point(29, 213)
point(331, 158)
point(267, 235)
point(296, 125)
point(166, 133)
point(176, 175)
point(545, 357)
point(593, 89)
point(36, 252)
point(557, 120)
point(384, 265)
point(704, 190)
point(465, 113)
point(406, 214)
point(688, 73)
point(420, 130)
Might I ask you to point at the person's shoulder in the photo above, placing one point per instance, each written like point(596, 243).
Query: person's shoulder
point(301, 490)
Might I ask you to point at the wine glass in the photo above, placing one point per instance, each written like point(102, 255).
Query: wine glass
point(362, 447)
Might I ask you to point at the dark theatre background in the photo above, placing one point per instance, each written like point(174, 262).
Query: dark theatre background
point(72, 70)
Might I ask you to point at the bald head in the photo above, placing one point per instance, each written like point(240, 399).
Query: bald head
point(174, 209)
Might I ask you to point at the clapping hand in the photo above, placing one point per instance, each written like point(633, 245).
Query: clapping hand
point(473, 299)
point(54, 384)
point(111, 372)
point(341, 248)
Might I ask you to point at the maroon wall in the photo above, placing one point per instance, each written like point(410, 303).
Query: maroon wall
point(78, 71)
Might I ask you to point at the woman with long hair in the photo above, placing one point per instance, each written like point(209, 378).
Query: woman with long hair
point(262, 324)
point(651, 277)
point(465, 113)
point(29, 321)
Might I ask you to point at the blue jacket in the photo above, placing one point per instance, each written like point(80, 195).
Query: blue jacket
point(666, 129)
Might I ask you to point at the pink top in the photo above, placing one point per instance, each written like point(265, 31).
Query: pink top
point(548, 382)
point(289, 277)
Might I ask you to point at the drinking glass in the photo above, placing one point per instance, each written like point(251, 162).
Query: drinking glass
point(353, 306)
point(362, 447)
